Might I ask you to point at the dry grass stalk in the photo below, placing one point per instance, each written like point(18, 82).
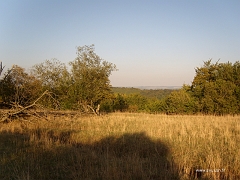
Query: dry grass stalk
point(122, 146)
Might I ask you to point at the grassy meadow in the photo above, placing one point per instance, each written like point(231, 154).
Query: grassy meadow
point(121, 146)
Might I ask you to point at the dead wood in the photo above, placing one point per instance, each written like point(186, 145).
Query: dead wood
point(90, 107)
point(1, 68)
point(20, 111)
point(87, 108)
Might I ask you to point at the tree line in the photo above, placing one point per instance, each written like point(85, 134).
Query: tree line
point(215, 90)
point(149, 93)
point(84, 85)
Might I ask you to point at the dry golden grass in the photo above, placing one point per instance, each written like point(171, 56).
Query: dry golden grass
point(122, 146)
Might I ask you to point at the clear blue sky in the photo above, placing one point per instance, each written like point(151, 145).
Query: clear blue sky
point(152, 42)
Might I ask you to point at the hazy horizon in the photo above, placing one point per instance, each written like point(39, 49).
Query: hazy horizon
point(150, 87)
point(153, 43)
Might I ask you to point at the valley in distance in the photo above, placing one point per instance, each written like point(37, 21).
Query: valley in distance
point(152, 87)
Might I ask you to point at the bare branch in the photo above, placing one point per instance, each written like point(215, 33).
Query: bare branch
point(9, 115)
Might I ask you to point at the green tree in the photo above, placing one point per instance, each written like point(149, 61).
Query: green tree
point(236, 75)
point(18, 87)
point(155, 105)
point(55, 77)
point(52, 73)
point(180, 102)
point(120, 103)
point(136, 102)
point(215, 88)
point(90, 76)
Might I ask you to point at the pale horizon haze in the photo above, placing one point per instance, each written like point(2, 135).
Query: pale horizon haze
point(152, 42)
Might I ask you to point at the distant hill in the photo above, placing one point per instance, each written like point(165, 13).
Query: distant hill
point(158, 87)
point(149, 93)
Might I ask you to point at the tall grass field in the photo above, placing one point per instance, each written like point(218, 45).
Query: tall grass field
point(121, 146)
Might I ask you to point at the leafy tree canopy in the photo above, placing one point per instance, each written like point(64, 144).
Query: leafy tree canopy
point(18, 87)
point(215, 86)
point(90, 76)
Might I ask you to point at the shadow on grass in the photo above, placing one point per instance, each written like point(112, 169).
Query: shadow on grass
point(129, 156)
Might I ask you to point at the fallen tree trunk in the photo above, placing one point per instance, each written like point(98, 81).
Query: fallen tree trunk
point(9, 116)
